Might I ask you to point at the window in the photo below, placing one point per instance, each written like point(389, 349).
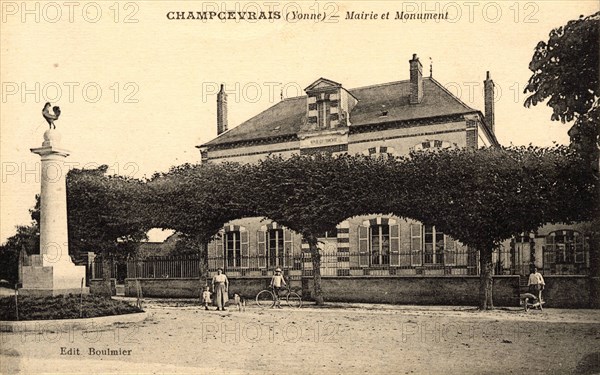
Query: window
point(565, 247)
point(323, 111)
point(380, 244)
point(229, 249)
point(434, 245)
point(433, 144)
point(384, 152)
point(233, 254)
point(275, 249)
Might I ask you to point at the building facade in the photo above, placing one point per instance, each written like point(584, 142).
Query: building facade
point(382, 120)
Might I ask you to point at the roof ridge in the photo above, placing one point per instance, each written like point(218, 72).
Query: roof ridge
point(379, 85)
point(451, 94)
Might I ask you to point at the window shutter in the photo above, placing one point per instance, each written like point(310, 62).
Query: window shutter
point(288, 247)
point(363, 246)
point(244, 248)
point(450, 246)
point(394, 245)
point(579, 246)
point(211, 249)
point(262, 248)
point(220, 251)
point(416, 245)
point(549, 252)
point(405, 244)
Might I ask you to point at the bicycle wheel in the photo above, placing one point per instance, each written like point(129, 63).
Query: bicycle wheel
point(294, 300)
point(265, 298)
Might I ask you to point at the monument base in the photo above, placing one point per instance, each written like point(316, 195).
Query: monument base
point(52, 292)
point(58, 279)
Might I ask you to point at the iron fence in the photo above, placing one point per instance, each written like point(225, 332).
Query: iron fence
point(338, 263)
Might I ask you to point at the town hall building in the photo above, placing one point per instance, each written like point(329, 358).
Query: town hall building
point(381, 120)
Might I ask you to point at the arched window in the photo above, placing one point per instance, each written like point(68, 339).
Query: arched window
point(380, 151)
point(434, 144)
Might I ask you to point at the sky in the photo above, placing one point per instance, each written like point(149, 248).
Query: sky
point(137, 90)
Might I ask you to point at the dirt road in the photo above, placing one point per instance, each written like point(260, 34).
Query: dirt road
point(181, 337)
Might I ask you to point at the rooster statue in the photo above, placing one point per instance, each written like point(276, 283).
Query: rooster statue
point(50, 117)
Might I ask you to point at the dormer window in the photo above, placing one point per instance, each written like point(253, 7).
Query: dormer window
point(328, 105)
point(323, 111)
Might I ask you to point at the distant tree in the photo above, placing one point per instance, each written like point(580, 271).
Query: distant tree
point(565, 72)
point(27, 240)
point(106, 214)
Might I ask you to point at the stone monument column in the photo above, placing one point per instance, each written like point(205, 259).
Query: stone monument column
point(52, 272)
point(54, 238)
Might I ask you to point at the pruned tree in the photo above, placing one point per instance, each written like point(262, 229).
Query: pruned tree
point(197, 200)
point(483, 197)
point(106, 214)
point(312, 194)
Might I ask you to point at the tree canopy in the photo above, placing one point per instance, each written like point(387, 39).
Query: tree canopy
point(565, 69)
point(106, 214)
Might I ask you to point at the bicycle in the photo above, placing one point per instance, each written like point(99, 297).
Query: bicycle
point(266, 298)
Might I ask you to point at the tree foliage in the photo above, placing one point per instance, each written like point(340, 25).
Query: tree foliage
point(479, 197)
point(566, 72)
point(198, 200)
point(565, 69)
point(106, 214)
point(483, 197)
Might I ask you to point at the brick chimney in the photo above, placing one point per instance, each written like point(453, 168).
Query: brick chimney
point(416, 80)
point(221, 111)
point(488, 89)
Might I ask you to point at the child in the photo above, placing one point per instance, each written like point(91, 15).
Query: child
point(206, 297)
point(277, 282)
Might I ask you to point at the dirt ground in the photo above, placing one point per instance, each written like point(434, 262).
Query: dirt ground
point(181, 337)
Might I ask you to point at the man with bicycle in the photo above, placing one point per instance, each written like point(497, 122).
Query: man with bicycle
point(277, 282)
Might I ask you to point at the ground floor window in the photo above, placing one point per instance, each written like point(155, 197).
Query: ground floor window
point(565, 247)
point(275, 248)
point(233, 253)
point(380, 244)
point(433, 241)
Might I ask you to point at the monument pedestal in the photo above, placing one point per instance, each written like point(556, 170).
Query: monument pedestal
point(52, 280)
point(52, 272)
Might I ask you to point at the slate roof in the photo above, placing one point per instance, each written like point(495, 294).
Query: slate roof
point(285, 118)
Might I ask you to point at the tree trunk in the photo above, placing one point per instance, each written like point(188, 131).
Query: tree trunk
point(485, 279)
point(594, 248)
point(203, 266)
point(106, 289)
point(315, 256)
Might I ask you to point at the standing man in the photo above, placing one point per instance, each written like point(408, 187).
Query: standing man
point(277, 281)
point(536, 284)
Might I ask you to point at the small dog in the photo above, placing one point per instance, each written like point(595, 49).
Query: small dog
point(240, 302)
